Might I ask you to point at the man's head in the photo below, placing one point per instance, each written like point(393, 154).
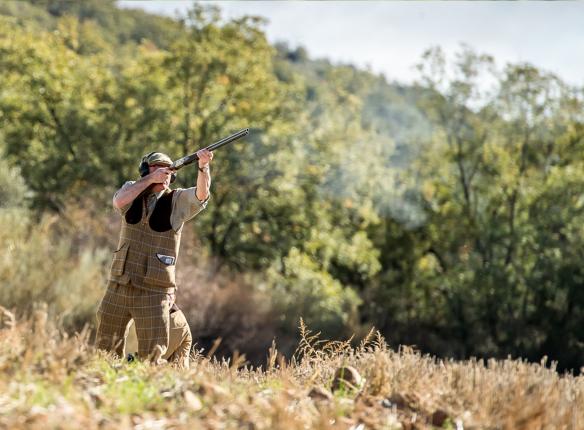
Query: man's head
point(154, 161)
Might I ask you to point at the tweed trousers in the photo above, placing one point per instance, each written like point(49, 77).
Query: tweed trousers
point(150, 310)
point(180, 340)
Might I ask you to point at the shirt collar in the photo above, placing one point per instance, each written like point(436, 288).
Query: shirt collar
point(159, 194)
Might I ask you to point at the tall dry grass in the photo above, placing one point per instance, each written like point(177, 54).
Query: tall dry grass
point(51, 380)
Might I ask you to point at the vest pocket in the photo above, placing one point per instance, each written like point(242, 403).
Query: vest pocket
point(159, 273)
point(119, 261)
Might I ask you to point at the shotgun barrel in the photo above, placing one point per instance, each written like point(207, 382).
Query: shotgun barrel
point(185, 161)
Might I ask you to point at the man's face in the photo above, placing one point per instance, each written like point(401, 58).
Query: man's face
point(161, 185)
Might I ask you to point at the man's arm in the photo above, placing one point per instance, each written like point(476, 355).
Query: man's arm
point(203, 184)
point(188, 202)
point(126, 195)
point(204, 176)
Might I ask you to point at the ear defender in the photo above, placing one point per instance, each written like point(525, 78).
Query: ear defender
point(143, 168)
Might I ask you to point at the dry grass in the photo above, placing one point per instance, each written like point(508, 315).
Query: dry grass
point(50, 380)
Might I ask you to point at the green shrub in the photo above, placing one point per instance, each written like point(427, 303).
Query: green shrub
point(301, 289)
point(14, 191)
point(37, 266)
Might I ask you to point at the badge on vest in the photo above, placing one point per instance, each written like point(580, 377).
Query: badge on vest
point(166, 259)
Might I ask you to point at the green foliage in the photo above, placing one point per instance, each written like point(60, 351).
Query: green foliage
point(14, 191)
point(300, 288)
point(502, 197)
point(51, 104)
point(36, 268)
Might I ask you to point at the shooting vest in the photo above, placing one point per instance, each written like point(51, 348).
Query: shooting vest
point(148, 246)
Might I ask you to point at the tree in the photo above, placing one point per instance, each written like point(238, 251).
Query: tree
point(486, 185)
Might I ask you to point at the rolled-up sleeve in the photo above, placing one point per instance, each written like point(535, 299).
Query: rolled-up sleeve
point(122, 211)
point(186, 205)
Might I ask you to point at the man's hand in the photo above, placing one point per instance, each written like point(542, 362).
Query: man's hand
point(205, 157)
point(160, 175)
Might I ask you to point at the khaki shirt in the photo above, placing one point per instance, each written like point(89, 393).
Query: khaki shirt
point(185, 205)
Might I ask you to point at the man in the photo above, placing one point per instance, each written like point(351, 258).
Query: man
point(142, 279)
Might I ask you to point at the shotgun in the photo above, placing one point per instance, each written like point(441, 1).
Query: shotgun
point(186, 160)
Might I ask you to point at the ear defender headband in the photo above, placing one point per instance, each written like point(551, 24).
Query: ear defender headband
point(144, 167)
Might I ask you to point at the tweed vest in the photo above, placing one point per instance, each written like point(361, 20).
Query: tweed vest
point(148, 246)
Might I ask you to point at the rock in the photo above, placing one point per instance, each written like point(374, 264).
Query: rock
point(320, 394)
point(193, 401)
point(439, 417)
point(347, 377)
